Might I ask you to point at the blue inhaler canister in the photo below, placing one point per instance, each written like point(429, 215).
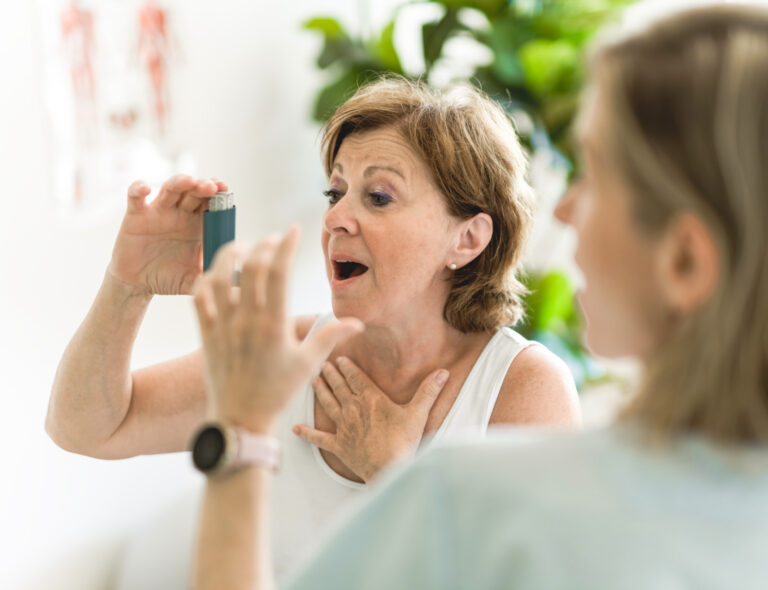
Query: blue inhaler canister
point(218, 225)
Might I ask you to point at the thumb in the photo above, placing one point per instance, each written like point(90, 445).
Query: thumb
point(429, 389)
point(317, 347)
point(137, 192)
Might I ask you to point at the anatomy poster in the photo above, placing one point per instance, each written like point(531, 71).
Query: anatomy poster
point(109, 90)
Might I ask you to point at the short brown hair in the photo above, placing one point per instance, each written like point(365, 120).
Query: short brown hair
point(471, 149)
point(686, 104)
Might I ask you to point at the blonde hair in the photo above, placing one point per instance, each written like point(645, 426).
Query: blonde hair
point(471, 149)
point(687, 103)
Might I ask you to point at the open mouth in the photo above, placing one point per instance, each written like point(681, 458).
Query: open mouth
point(347, 269)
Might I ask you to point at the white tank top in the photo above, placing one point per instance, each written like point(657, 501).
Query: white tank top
point(308, 494)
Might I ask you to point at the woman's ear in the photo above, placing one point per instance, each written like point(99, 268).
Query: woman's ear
point(475, 233)
point(689, 263)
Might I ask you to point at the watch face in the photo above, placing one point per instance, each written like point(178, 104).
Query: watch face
point(208, 449)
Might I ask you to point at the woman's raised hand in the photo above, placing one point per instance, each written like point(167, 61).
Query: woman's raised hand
point(158, 248)
point(253, 361)
point(371, 429)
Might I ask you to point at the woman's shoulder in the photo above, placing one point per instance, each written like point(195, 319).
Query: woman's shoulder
point(538, 389)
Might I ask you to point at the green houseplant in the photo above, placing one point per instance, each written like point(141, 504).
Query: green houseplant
point(535, 69)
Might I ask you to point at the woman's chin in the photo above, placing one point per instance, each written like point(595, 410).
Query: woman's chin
point(345, 308)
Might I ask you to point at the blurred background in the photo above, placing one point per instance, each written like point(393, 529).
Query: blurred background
point(98, 93)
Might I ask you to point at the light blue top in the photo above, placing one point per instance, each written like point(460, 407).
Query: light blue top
point(529, 509)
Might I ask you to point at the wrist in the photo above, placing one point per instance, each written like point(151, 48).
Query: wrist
point(259, 424)
point(256, 426)
point(124, 290)
point(219, 448)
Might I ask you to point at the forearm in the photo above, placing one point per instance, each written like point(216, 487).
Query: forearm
point(91, 391)
point(233, 549)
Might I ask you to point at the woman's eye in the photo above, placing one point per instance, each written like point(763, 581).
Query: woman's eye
point(380, 199)
point(332, 195)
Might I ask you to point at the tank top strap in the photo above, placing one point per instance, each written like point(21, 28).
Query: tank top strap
point(474, 405)
point(319, 322)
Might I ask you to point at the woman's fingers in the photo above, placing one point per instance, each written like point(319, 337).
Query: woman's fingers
point(279, 273)
point(221, 186)
point(205, 307)
point(199, 202)
point(357, 381)
point(172, 190)
point(427, 393)
point(192, 203)
point(137, 194)
point(186, 192)
point(220, 278)
point(254, 274)
point(326, 398)
point(336, 382)
point(323, 440)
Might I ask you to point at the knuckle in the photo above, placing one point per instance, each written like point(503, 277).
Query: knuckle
point(355, 412)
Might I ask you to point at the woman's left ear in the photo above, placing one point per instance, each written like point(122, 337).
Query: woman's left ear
point(689, 263)
point(475, 233)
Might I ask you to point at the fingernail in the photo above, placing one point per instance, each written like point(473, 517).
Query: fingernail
point(295, 429)
point(441, 377)
point(342, 360)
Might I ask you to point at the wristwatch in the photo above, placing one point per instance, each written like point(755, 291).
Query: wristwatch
point(221, 448)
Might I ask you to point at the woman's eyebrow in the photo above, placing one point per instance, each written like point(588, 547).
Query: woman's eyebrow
point(371, 169)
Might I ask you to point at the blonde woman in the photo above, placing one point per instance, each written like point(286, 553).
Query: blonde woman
point(672, 217)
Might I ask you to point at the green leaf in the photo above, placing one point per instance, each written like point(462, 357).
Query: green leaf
point(332, 52)
point(335, 93)
point(489, 7)
point(386, 52)
point(435, 34)
point(509, 32)
point(550, 303)
point(558, 112)
point(329, 27)
point(550, 66)
point(346, 52)
point(508, 69)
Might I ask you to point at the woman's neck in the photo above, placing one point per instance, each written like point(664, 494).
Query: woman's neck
point(397, 357)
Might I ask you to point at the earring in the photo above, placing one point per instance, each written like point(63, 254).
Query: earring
point(452, 266)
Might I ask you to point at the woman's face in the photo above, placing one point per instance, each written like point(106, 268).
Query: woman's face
point(387, 233)
point(622, 302)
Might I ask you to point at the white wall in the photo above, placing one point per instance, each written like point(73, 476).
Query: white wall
point(245, 86)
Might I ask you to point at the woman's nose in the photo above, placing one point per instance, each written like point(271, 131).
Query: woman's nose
point(340, 217)
point(566, 206)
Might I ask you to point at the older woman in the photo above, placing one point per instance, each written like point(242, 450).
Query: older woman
point(427, 218)
point(672, 217)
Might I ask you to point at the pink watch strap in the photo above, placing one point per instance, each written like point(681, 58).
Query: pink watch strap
point(256, 449)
